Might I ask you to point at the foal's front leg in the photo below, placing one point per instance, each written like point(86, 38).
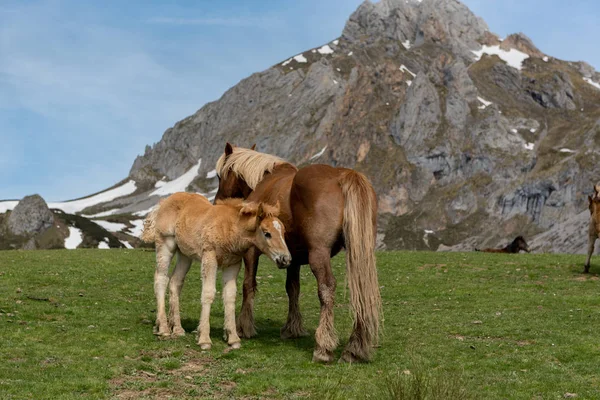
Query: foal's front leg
point(209, 288)
point(230, 274)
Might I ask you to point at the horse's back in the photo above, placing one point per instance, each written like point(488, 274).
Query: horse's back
point(177, 207)
point(317, 204)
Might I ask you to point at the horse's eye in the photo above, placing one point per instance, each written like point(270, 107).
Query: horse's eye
point(267, 235)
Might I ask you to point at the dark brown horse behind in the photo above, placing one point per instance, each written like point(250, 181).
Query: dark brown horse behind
point(516, 246)
point(324, 209)
point(594, 226)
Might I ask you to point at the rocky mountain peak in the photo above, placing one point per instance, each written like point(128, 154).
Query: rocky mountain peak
point(519, 41)
point(416, 22)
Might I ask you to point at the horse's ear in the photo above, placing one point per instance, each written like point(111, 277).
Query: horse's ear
point(228, 149)
point(253, 147)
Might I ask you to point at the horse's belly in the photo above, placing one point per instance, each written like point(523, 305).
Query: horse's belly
point(226, 259)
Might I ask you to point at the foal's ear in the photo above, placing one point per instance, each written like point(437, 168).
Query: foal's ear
point(276, 209)
point(260, 213)
point(228, 149)
point(249, 208)
point(253, 147)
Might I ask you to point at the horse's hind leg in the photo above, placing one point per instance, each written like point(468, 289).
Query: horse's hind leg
point(229, 291)
point(325, 336)
point(175, 285)
point(165, 248)
point(209, 288)
point(293, 327)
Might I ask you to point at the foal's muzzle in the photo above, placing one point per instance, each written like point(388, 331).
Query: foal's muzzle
point(283, 260)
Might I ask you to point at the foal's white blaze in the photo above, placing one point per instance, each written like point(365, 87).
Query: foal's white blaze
point(277, 226)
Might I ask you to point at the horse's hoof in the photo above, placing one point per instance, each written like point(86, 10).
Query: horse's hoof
point(178, 332)
point(246, 331)
point(586, 269)
point(350, 358)
point(162, 334)
point(236, 345)
point(287, 333)
point(205, 346)
point(322, 357)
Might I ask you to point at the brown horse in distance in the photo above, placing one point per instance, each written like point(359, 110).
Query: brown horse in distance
point(594, 227)
point(324, 209)
point(516, 246)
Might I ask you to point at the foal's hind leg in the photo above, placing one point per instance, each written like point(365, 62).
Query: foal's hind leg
point(293, 327)
point(325, 336)
point(229, 291)
point(165, 248)
point(175, 285)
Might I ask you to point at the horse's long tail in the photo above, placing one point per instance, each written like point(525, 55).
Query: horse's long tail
point(149, 232)
point(360, 232)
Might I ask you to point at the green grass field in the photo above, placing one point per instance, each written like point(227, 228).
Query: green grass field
point(457, 325)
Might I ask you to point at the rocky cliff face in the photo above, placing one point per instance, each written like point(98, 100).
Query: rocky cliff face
point(468, 139)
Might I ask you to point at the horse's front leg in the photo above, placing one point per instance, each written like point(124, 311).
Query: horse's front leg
point(293, 327)
point(229, 291)
point(209, 288)
point(245, 324)
point(325, 336)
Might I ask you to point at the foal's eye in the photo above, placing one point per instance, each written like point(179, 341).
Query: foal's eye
point(267, 235)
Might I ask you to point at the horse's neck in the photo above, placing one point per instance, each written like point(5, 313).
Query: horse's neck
point(281, 171)
point(513, 247)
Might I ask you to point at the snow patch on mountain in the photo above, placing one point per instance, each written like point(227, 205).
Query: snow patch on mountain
point(75, 238)
point(179, 184)
point(513, 57)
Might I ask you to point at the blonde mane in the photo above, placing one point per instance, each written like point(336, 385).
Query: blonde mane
point(248, 164)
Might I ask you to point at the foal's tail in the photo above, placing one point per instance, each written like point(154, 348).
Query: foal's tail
point(360, 232)
point(149, 232)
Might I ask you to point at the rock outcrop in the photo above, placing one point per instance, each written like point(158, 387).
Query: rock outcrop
point(30, 217)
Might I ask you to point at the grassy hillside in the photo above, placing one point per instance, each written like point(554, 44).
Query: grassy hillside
point(79, 324)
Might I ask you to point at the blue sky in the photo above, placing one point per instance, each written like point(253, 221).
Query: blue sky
point(84, 86)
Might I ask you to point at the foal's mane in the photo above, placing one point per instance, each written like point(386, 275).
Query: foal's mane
point(232, 202)
point(248, 164)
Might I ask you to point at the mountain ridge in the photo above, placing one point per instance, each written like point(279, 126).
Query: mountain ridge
point(458, 129)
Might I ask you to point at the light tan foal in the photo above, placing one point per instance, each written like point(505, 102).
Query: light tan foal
point(190, 226)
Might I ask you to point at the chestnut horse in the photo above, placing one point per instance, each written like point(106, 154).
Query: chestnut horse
point(189, 225)
point(324, 209)
point(594, 227)
point(516, 246)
